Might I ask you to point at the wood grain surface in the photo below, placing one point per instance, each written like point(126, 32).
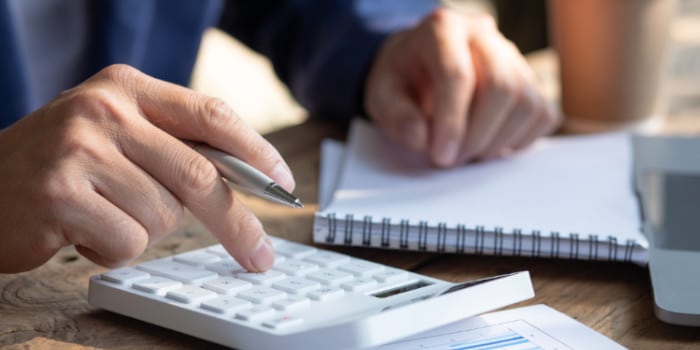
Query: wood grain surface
point(47, 308)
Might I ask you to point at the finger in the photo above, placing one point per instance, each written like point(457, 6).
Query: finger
point(521, 119)
point(452, 78)
point(494, 97)
point(186, 114)
point(545, 118)
point(137, 193)
point(396, 113)
point(546, 121)
point(110, 236)
point(198, 185)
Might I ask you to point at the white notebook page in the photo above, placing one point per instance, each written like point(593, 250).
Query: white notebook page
point(569, 184)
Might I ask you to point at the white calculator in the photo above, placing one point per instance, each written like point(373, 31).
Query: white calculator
point(312, 298)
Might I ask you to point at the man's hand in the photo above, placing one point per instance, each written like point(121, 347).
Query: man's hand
point(453, 88)
point(103, 167)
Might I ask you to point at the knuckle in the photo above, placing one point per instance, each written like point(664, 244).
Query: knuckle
point(97, 103)
point(78, 142)
point(199, 176)
point(60, 190)
point(501, 88)
point(214, 113)
point(118, 72)
point(87, 101)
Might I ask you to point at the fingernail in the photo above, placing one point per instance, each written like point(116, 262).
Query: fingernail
point(283, 176)
point(446, 153)
point(263, 258)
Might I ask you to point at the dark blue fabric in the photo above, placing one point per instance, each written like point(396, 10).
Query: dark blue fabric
point(159, 37)
point(321, 49)
point(13, 83)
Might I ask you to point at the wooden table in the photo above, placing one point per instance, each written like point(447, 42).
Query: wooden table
point(47, 308)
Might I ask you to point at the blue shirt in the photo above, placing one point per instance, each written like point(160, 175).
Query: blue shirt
point(321, 49)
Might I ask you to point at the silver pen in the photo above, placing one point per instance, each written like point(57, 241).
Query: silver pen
point(246, 178)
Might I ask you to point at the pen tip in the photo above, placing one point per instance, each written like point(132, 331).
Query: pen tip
point(298, 204)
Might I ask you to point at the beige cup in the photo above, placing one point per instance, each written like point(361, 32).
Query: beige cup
point(611, 61)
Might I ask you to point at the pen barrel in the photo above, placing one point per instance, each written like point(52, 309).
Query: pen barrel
point(237, 171)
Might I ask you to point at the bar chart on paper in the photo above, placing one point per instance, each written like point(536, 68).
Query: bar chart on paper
point(537, 327)
point(515, 335)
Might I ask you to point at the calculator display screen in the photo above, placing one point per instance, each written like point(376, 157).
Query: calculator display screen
point(401, 289)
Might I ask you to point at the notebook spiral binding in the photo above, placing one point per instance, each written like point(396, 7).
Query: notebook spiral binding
point(477, 240)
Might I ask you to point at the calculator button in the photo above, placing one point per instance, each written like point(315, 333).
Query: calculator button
point(296, 285)
point(282, 322)
point(227, 285)
point(361, 268)
point(330, 276)
point(196, 258)
point(225, 304)
point(291, 303)
point(294, 250)
point(262, 278)
point(391, 276)
point(126, 275)
point(262, 295)
point(276, 241)
point(219, 250)
point(326, 293)
point(296, 267)
point(156, 285)
point(256, 313)
point(226, 267)
point(327, 259)
point(359, 285)
point(177, 271)
point(190, 294)
point(280, 259)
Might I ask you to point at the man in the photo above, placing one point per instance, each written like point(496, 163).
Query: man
point(107, 165)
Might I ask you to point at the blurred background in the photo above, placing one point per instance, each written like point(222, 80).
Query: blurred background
point(227, 69)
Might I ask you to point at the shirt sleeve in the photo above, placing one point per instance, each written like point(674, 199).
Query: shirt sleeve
point(321, 49)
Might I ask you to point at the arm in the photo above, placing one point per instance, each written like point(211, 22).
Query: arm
point(321, 49)
point(105, 167)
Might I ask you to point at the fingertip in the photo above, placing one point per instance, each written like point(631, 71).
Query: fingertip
point(445, 153)
point(263, 256)
point(283, 176)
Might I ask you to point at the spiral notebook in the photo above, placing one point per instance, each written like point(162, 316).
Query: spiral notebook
point(566, 197)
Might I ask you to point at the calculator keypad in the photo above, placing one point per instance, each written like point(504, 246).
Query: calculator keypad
point(303, 278)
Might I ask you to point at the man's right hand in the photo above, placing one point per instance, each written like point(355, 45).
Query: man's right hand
point(104, 167)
